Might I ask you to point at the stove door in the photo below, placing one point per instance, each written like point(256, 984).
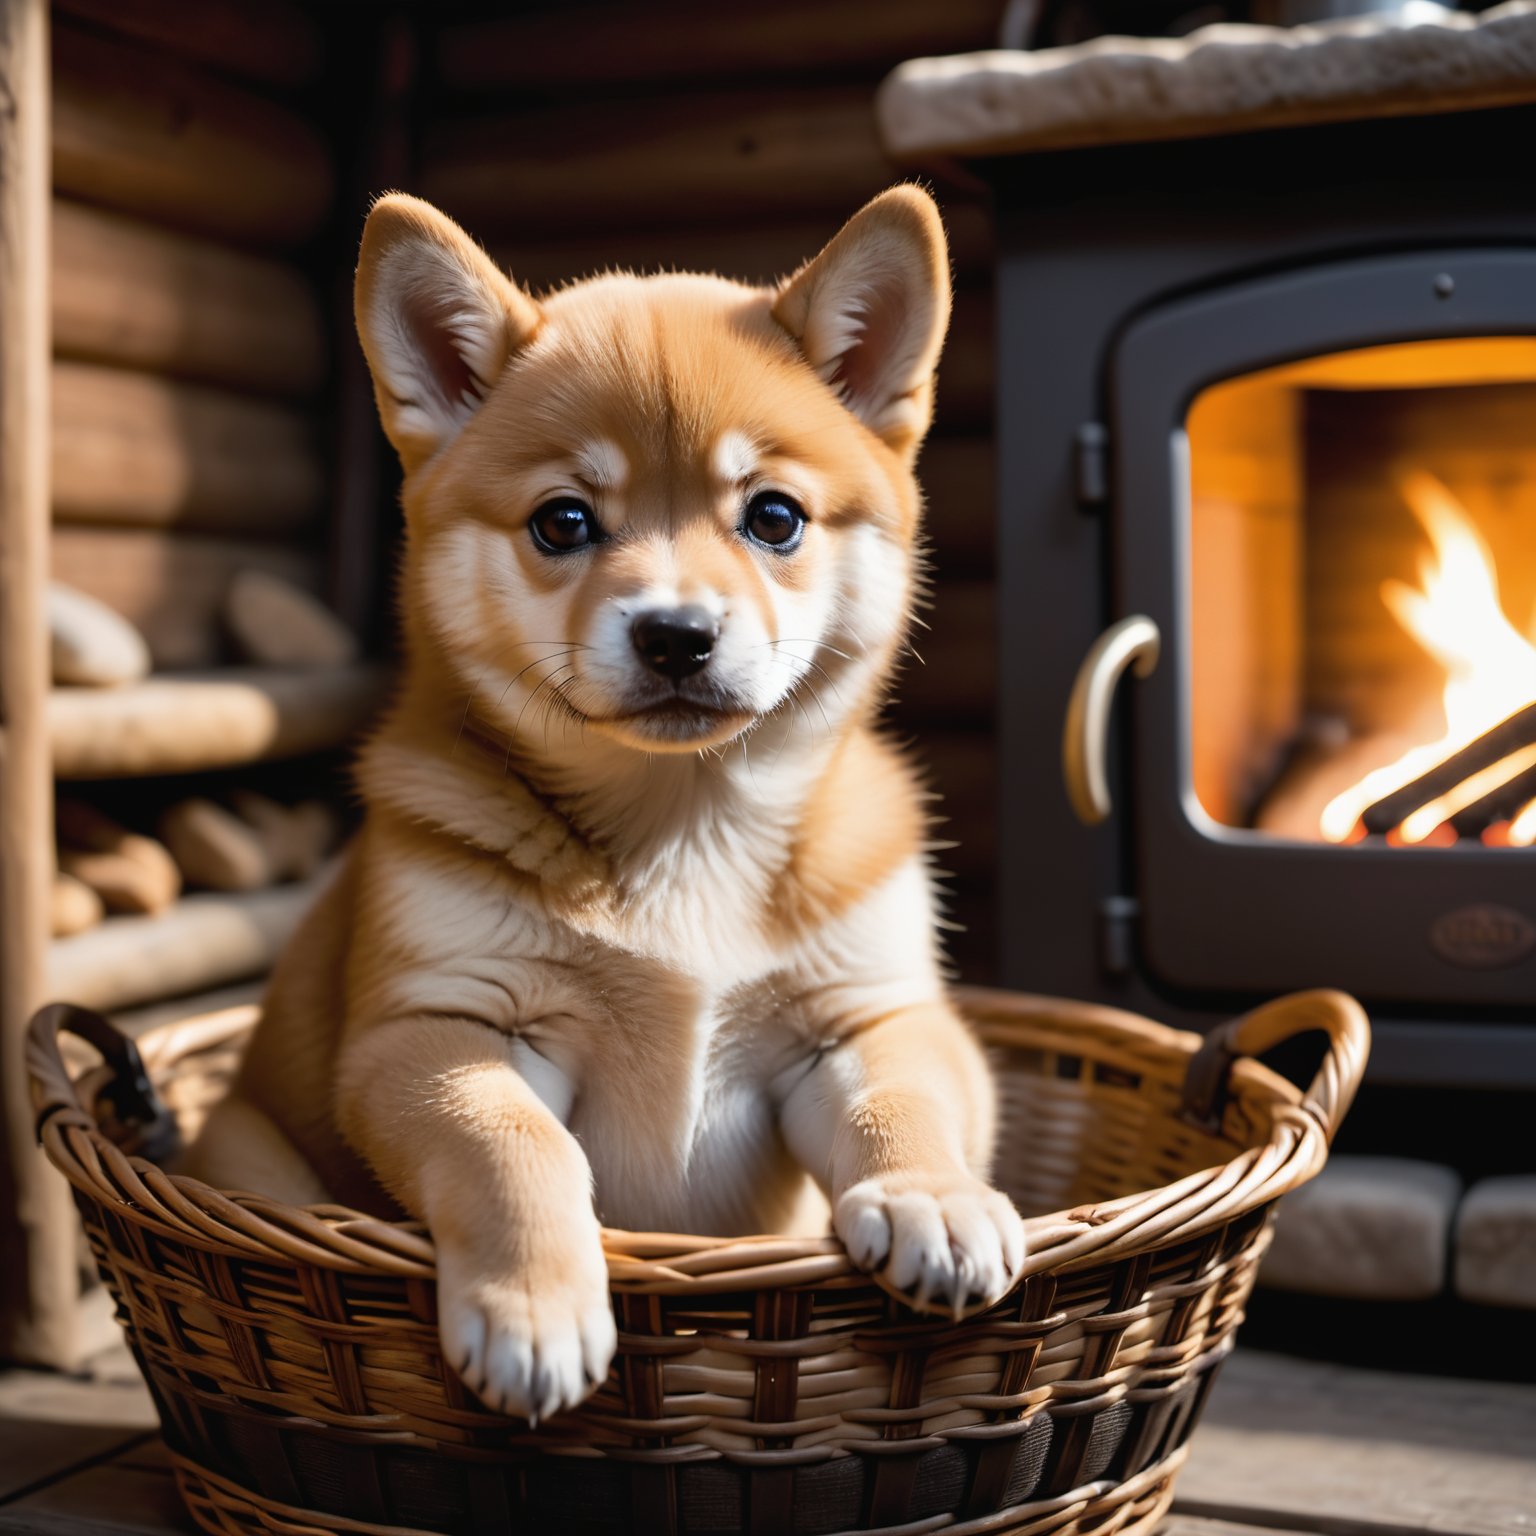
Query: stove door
point(1325, 500)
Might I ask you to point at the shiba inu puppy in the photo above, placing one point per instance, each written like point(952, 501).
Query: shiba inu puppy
point(638, 927)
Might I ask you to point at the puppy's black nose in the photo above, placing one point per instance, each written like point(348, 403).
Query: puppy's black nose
point(676, 642)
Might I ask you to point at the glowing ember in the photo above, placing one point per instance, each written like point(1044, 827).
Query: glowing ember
point(1490, 669)
point(1522, 830)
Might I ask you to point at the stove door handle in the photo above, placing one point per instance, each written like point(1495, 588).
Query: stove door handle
point(1132, 642)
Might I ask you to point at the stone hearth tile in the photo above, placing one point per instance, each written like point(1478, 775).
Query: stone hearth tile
point(1496, 1243)
point(1371, 1227)
point(1220, 79)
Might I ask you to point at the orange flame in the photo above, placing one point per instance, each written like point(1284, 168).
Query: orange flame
point(1490, 669)
point(1522, 830)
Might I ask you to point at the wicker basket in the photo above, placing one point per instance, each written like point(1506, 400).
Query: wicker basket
point(761, 1385)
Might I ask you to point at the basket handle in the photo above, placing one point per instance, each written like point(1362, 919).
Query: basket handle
point(129, 1090)
point(1331, 1091)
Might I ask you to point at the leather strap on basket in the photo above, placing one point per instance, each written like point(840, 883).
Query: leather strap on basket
point(1206, 1081)
point(1328, 1097)
point(129, 1090)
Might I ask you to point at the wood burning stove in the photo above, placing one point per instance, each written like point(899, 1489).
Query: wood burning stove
point(1259, 545)
point(1265, 399)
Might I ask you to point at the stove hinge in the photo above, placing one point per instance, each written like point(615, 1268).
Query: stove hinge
point(1091, 465)
point(1117, 934)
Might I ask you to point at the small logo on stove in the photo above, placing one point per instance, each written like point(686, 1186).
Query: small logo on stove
point(1483, 937)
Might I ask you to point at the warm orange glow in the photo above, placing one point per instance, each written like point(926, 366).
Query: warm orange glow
point(1522, 830)
point(1490, 668)
point(1417, 826)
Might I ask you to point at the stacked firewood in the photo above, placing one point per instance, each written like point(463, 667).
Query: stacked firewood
point(246, 844)
point(269, 622)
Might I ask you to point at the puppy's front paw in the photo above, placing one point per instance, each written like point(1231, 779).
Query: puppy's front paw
point(946, 1241)
point(528, 1344)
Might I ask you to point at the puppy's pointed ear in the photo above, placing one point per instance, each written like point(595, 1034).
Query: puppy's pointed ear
point(438, 321)
point(870, 313)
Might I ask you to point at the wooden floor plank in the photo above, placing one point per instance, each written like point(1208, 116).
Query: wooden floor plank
point(104, 1501)
point(48, 1451)
point(1293, 1443)
point(1198, 1525)
point(50, 1424)
point(145, 1455)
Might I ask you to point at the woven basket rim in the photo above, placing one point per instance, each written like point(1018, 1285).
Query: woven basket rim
point(335, 1237)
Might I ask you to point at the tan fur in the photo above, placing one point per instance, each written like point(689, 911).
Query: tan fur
point(655, 953)
point(861, 821)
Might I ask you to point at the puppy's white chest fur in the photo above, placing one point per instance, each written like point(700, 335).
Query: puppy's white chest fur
point(681, 1129)
point(665, 1024)
point(674, 1076)
point(674, 1104)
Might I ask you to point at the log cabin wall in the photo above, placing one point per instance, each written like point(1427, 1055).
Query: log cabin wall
point(190, 345)
point(577, 137)
point(193, 200)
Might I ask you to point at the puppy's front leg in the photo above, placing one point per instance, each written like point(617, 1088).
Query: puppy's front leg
point(459, 1138)
point(897, 1118)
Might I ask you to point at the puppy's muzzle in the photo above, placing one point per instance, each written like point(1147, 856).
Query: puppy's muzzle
point(676, 642)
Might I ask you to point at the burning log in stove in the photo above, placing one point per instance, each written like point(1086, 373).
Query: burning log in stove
point(1417, 769)
point(1504, 806)
point(1478, 779)
point(1489, 780)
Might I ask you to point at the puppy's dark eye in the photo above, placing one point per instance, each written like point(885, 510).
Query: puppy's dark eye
point(774, 519)
point(564, 524)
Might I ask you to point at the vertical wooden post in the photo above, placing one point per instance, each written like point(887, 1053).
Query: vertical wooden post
point(39, 1292)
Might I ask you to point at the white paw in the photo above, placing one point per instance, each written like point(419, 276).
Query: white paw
point(947, 1242)
point(522, 1347)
